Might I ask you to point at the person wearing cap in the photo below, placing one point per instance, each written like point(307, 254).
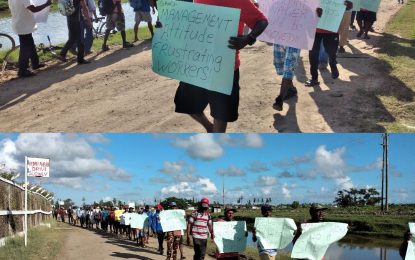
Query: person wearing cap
point(264, 254)
point(199, 227)
point(317, 213)
point(173, 239)
point(229, 216)
point(158, 229)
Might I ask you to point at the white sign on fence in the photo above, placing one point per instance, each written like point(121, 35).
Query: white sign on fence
point(37, 167)
point(292, 23)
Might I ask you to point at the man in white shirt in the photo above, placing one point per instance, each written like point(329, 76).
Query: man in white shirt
point(23, 23)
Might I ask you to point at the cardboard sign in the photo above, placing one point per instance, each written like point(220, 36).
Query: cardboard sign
point(274, 233)
point(230, 236)
point(333, 11)
point(172, 220)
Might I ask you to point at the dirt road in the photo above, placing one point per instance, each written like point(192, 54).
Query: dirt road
point(118, 92)
point(92, 244)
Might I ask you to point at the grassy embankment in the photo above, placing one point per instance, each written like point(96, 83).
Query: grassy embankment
point(397, 51)
point(43, 243)
point(114, 40)
point(367, 221)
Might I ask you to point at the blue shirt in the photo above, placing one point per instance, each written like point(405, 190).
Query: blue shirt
point(145, 6)
point(156, 223)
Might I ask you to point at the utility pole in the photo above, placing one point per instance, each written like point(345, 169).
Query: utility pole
point(383, 173)
point(386, 173)
point(223, 190)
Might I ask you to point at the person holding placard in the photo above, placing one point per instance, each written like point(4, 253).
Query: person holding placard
point(285, 62)
point(193, 100)
point(158, 228)
point(24, 24)
point(174, 239)
point(407, 237)
point(142, 14)
point(199, 226)
point(331, 42)
point(264, 254)
point(148, 226)
point(229, 216)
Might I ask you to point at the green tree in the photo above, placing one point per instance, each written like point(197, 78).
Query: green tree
point(181, 203)
point(295, 204)
point(357, 197)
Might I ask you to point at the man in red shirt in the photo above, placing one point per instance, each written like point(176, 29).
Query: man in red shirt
point(193, 100)
point(331, 43)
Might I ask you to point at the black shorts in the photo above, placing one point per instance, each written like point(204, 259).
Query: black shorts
point(190, 99)
point(367, 16)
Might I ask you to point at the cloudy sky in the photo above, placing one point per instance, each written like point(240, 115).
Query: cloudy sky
point(144, 167)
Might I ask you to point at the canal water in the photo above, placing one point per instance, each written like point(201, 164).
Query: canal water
point(57, 29)
point(356, 248)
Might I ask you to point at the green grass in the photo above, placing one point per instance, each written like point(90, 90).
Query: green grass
point(43, 243)
point(366, 221)
point(397, 50)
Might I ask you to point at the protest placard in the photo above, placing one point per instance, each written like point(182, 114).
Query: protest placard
point(410, 251)
point(192, 45)
point(127, 218)
point(333, 11)
point(371, 5)
point(41, 16)
point(172, 220)
point(138, 221)
point(356, 5)
point(274, 233)
point(230, 236)
point(291, 23)
point(118, 214)
point(316, 238)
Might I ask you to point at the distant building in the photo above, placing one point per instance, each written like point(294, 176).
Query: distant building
point(217, 209)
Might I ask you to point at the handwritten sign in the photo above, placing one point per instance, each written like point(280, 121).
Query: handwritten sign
point(230, 236)
point(291, 23)
point(41, 16)
point(118, 214)
point(138, 221)
point(356, 5)
point(192, 46)
point(274, 233)
point(371, 5)
point(333, 11)
point(316, 238)
point(172, 220)
point(37, 167)
point(127, 218)
point(410, 251)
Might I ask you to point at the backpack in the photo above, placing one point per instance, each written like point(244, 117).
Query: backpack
point(66, 7)
point(135, 4)
point(105, 7)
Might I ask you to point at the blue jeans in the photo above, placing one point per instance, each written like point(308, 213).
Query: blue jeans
point(323, 58)
point(88, 39)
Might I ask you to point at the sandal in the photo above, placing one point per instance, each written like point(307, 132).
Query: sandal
point(312, 83)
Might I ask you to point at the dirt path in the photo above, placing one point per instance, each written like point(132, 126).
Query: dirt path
point(118, 92)
point(91, 244)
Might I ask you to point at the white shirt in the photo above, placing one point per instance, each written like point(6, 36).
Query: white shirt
point(23, 21)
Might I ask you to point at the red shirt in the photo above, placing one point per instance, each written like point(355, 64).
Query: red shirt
point(250, 14)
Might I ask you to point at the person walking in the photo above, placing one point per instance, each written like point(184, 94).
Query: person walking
point(116, 19)
point(24, 24)
point(264, 254)
point(74, 30)
point(173, 239)
point(142, 14)
point(199, 226)
point(158, 229)
point(407, 237)
point(229, 216)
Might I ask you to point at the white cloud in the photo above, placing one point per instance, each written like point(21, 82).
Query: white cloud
point(200, 146)
point(248, 140)
point(73, 159)
point(266, 181)
point(96, 138)
point(172, 167)
point(285, 190)
point(232, 170)
point(201, 187)
point(258, 166)
point(107, 198)
point(253, 140)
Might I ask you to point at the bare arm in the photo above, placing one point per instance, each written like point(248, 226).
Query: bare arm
point(35, 9)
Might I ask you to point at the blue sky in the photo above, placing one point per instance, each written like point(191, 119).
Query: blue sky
point(284, 167)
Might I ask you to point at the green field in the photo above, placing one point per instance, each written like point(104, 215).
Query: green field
point(397, 51)
point(362, 220)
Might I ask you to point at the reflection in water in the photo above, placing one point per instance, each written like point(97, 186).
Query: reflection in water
point(56, 27)
point(356, 248)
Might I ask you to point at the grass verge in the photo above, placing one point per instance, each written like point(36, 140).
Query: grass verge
point(43, 243)
point(397, 50)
